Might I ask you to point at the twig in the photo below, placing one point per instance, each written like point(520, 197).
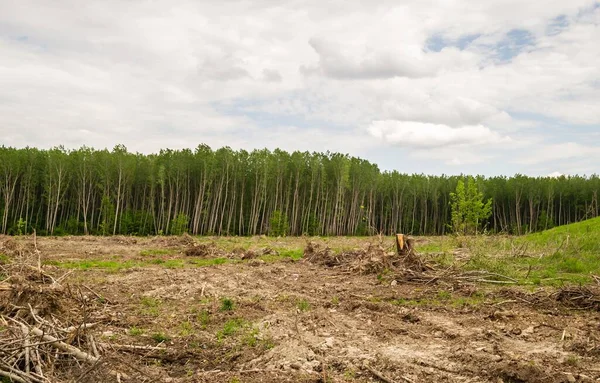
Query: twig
point(13, 377)
point(504, 302)
point(378, 374)
point(134, 347)
point(83, 326)
point(496, 282)
point(95, 293)
point(93, 345)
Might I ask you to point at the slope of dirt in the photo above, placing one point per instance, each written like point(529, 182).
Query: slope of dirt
point(295, 321)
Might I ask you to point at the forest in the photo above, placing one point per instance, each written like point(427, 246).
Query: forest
point(237, 192)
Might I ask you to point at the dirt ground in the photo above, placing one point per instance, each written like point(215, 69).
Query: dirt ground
point(284, 320)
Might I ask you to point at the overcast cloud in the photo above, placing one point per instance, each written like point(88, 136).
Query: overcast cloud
point(494, 87)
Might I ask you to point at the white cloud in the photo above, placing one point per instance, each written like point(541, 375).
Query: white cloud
point(561, 151)
point(426, 135)
point(150, 74)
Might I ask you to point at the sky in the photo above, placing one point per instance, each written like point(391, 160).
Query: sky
point(493, 87)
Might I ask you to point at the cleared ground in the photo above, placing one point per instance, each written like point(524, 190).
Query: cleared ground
point(183, 309)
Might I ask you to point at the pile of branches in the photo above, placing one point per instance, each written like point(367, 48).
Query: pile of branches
point(579, 297)
point(174, 240)
point(371, 259)
point(204, 250)
point(44, 326)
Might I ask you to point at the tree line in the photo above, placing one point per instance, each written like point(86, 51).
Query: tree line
point(228, 192)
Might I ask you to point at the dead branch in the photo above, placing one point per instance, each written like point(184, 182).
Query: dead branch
point(77, 353)
point(378, 374)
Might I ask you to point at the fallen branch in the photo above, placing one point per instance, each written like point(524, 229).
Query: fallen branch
point(378, 374)
point(77, 353)
point(13, 377)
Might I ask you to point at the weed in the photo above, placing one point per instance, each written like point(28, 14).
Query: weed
point(226, 304)
point(230, 327)
point(151, 306)
point(135, 331)
point(444, 295)
point(572, 360)
point(204, 318)
point(160, 337)
point(335, 301)
point(303, 305)
point(186, 328)
point(251, 338)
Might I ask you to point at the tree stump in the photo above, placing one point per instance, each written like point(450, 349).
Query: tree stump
point(404, 245)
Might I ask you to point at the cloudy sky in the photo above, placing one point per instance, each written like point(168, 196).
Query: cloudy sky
point(488, 87)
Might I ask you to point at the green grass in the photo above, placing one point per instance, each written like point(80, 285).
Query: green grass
point(303, 305)
point(230, 328)
point(135, 331)
point(445, 299)
point(293, 254)
point(186, 328)
point(203, 262)
point(154, 252)
point(227, 304)
point(160, 337)
point(86, 264)
point(150, 306)
point(562, 255)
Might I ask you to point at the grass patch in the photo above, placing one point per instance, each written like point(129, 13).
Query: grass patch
point(186, 328)
point(151, 306)
point(135, 331)
point(173, 264)
point(303, 305)
point(444, 299)
point(86, 264)
point(3, 259)
point(203, 262)
point(160, 337)
point(204, 318)
point(227, 304)
point(155, 252)
point(230, 328)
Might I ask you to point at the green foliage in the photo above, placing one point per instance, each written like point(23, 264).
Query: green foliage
point(179, 224)
point(21, 227)
point(107, 211)
point(279, 224)
point(228, 192)
point(469, 211)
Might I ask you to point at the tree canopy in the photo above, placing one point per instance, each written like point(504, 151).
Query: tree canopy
point(228, 192)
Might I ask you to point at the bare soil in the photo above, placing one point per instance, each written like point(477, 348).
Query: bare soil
point(299, 321)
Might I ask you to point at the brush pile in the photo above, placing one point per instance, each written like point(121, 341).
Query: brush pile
point(579, 297)
point(204, 250)
point(44, 325)
point(371, 259)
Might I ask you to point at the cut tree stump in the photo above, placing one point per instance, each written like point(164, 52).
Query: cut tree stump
point(404, 245)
